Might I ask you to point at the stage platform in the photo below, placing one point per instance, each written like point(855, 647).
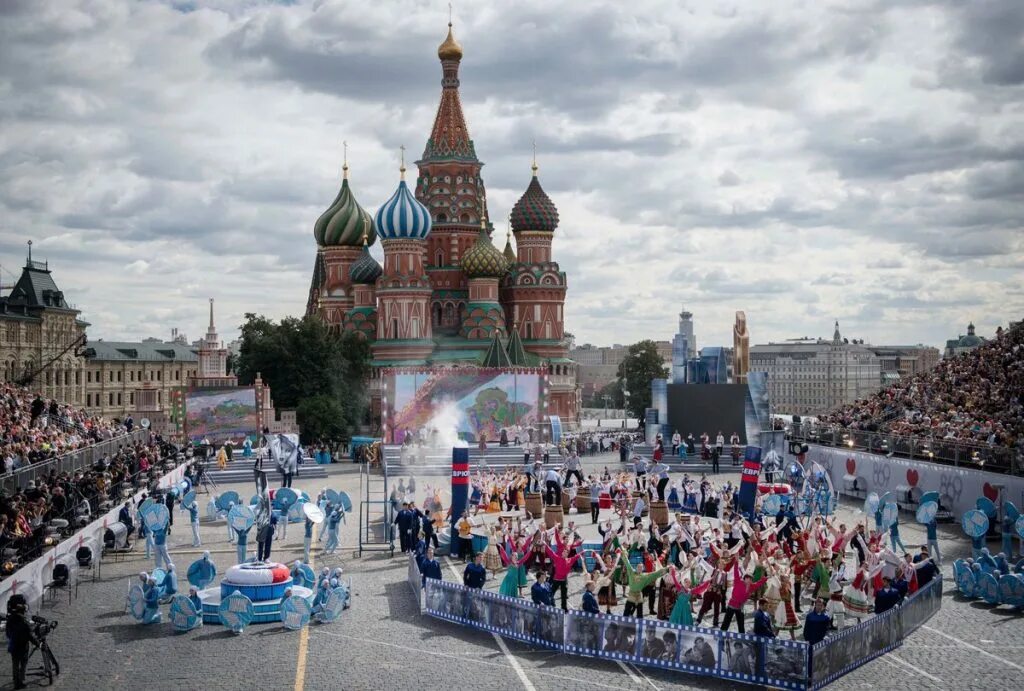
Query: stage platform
point(267, 611)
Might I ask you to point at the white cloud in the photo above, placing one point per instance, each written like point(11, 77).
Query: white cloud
point(861, 161)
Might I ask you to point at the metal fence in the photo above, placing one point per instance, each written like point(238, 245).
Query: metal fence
point(738, 657)
point(996, 459)
point(854, 646)
point(70, 461)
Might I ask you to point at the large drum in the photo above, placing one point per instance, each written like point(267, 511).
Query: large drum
point(553, 516)
point(659, 513)
point(534, 504)
point(116, 536)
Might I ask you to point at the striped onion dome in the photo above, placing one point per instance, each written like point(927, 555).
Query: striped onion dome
point(402, 217)
point(483, 260)
point(365, 270)
point(344, 222)
point(534, 210)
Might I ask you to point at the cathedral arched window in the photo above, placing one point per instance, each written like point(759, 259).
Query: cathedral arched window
point(442, 218)
point(394, 328)
point(437, 313)
point(449, 314)
point(439, 257)
point(465, 218)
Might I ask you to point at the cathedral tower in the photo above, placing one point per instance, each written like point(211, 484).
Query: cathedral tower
point(403, 291)
point(450, 186)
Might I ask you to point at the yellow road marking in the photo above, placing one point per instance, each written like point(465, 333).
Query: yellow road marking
point(300, 665)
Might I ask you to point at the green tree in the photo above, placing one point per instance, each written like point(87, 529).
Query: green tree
point(301, 359)
point(321, 418)
point(641, 364)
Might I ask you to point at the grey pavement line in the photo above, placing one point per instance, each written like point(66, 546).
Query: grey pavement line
point(888, 659)
point(975, 648)
point(512, 661)
point(917, 669)
point(468, 658)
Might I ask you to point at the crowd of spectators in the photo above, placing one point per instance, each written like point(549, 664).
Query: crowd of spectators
point(55, 505)
point(33, 429)
point(976, 398)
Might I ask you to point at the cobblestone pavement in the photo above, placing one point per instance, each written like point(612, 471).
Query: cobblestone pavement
point(382, 642)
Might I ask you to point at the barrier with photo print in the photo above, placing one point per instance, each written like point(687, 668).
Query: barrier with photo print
point(852, 647)
point(711, 652)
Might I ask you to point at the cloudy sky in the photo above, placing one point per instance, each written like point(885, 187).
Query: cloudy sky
point(802, 161)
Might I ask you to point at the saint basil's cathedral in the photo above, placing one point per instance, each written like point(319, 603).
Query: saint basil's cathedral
point(446, 297)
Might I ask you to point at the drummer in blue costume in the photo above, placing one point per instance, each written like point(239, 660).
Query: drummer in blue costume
point(171, 582)
point(160, 545)
point(152, 594)
point(1007, 534)
point(231, 531)
point(323, 591)
point(307, 539)
point(332, 530)
point(193, 595)
point(193, 519)
point(894, 535)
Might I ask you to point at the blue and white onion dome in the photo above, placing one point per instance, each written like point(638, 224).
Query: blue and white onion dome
point(402, 217)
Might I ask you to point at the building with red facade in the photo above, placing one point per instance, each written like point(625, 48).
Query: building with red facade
point(446, 297)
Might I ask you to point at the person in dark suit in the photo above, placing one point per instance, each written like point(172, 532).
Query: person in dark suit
point(763, 622)
point(817, 623)
point(19, 637)
point(429, 568)
point(475, 573)
point(427, 526)
point(541, 593)
point(590, 600)
point(886, 598)
point(402, 520)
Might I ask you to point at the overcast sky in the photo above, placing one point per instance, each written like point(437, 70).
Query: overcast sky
point(802, 161)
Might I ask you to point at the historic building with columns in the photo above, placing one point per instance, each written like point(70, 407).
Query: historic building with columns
point(445, 293)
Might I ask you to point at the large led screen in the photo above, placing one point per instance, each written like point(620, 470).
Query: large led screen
point(219, 415)
point(469, 404)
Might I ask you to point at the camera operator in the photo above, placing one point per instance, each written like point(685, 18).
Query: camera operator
point(19, 637)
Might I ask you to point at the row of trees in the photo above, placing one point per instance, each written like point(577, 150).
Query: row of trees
point(320, 374)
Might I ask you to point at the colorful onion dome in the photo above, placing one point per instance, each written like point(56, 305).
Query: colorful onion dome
point(450, 49)
point(534, 210)
point(402, 217)
point(483, 260)
point(365, 270)
point(344, 222)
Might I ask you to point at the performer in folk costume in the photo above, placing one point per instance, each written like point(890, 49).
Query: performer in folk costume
point(637, 582)
point(515, 577)
point(492, 560)
point(785, 615)
point(606, 585)
point(682, 612)
point(836, 579)
point(858, 597)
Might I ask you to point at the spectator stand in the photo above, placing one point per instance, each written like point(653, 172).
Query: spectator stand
point(32, 578)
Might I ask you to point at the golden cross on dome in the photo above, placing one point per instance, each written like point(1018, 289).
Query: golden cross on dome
point(534, 166)
point(402, 168)
point(344, 165)
point(449, 14)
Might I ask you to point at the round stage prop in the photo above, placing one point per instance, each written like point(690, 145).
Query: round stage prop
point(304, 575)
point(1019, 527)
point(345, 501)
point(890, 514)
point(225, 500)
point(257, 581)
point(988, 588)
point(987, 506)
point(974, 523)
point(1011, 590)
point(965, 579)
point(313, 512)
point(184, 615)
point(189, 499)
point(137, 602)
point(241, 517)
point(284, 498)
point(926, 512)
point(201, 572)
point(332, 496)
point(333, 606)
point(771, 504)
point(295, 613)
point(156, 517)
point(236, 612)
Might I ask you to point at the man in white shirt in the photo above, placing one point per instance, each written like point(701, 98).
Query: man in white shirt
point(677, 439)
point(572, 467)
point(720, 443)
point(553, 488)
